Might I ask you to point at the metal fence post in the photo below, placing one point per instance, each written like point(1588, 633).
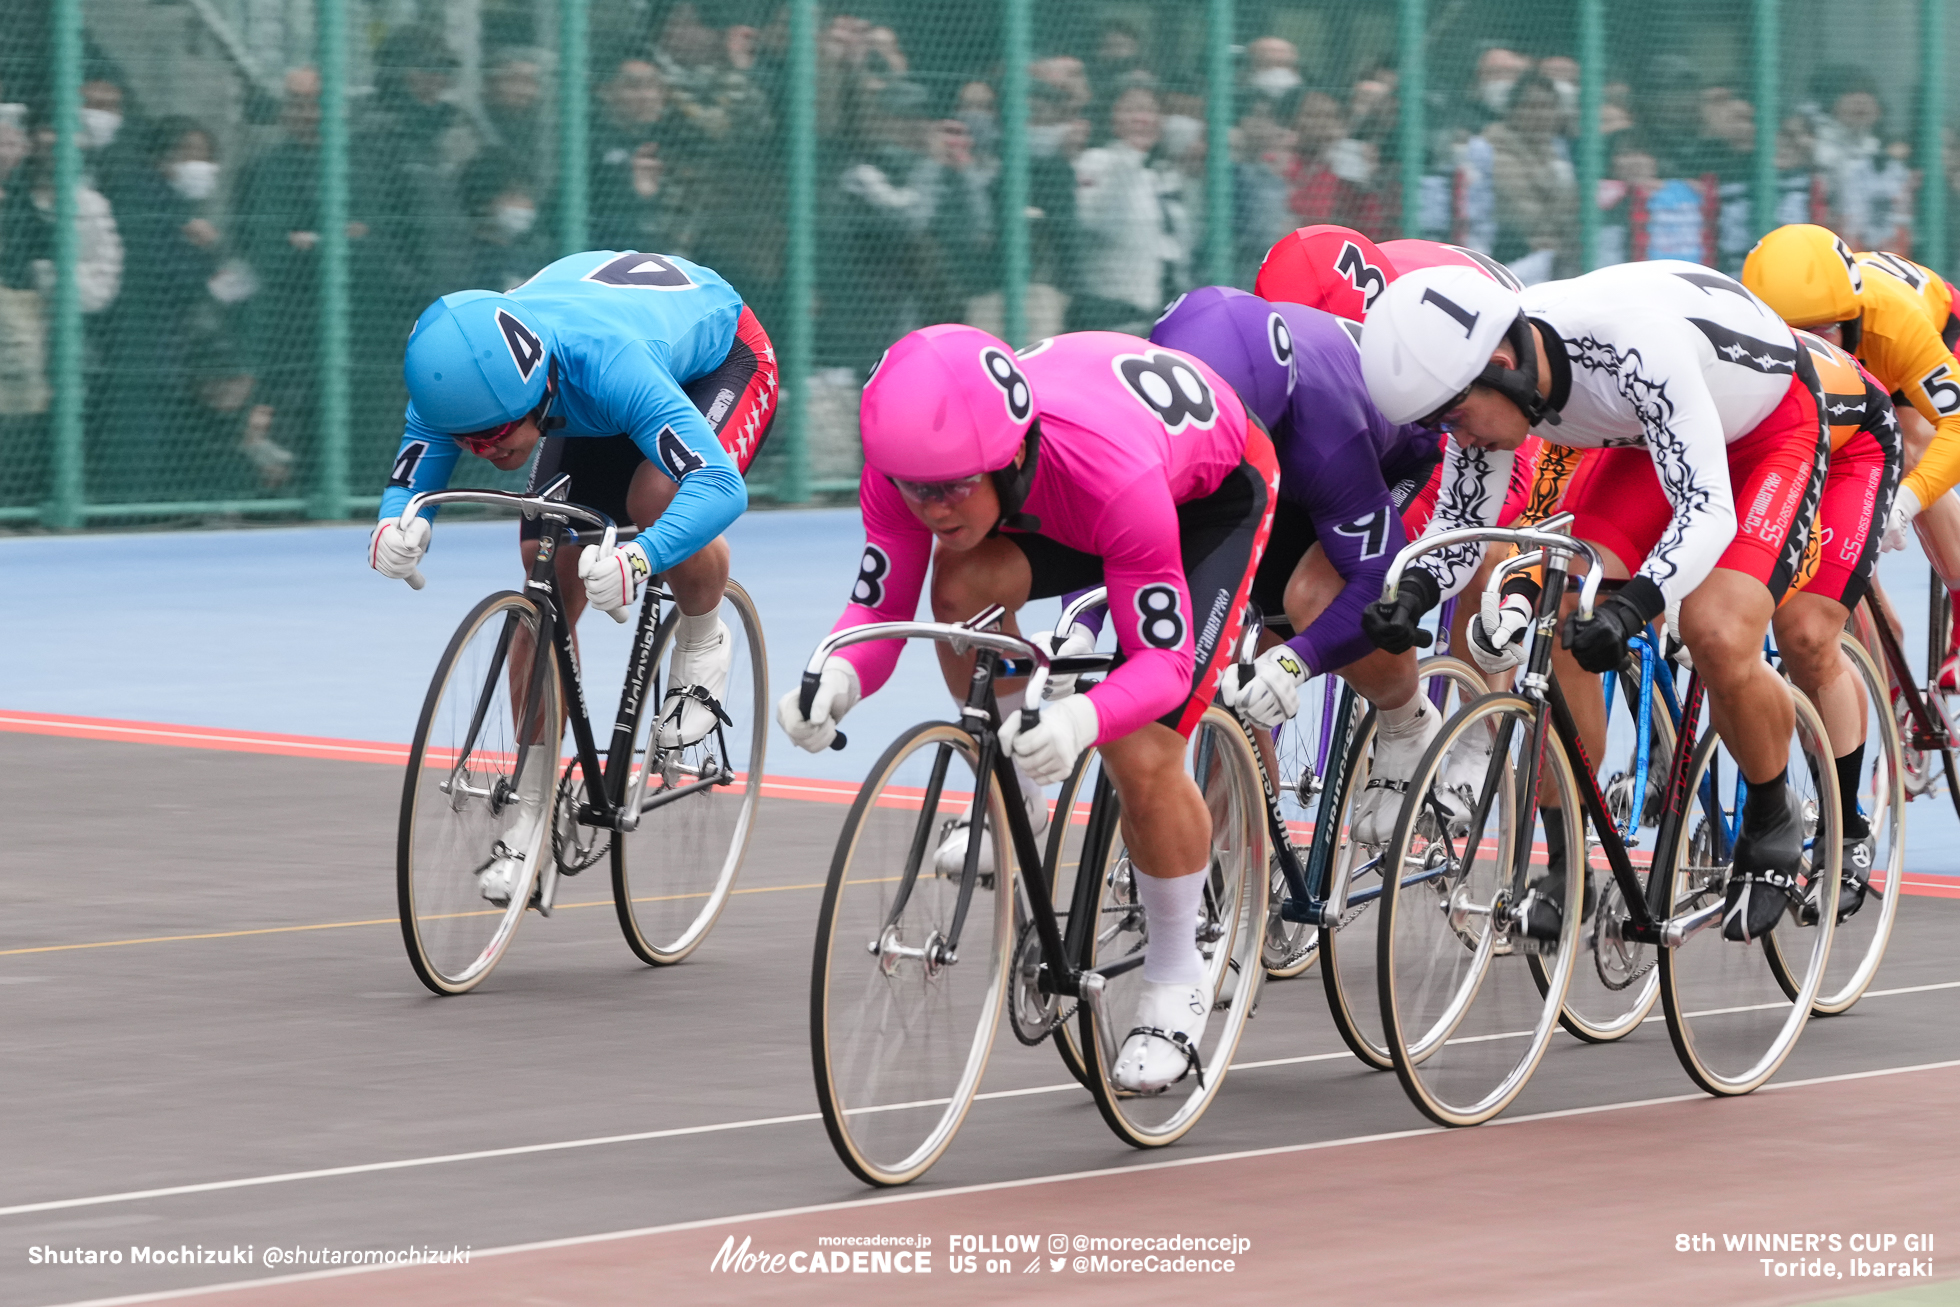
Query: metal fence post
point(1930, 248)
point(1414, 96)
point(64, 507)
point(1592, 146)
point(330, 496)
point(1220, 94)
point(1766, 46)
point(574, 112)
point(1015, 43)
point(798, 338)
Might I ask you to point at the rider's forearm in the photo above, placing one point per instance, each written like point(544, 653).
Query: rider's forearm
point(706, 504)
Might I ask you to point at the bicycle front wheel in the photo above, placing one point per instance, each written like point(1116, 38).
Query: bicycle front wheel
point(1301, 750)
point(904, 993)
point(1230, 933)
point(1730, 1016)
point(696, 797)
point(1616, 979)
point(477, 799)
point(1858, 946)
point(1350, 921)
point(1466, 1019)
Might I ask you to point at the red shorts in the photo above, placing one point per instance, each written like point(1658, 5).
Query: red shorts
point(1776, 474)
point(739, 397)
point(1517, 493)
point(1843, 548)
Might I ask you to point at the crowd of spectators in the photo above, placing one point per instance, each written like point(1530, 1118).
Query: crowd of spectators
point(199, 249)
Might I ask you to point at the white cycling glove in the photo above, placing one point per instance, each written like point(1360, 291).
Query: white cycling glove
point(837, 694)
point(1497, 633)
point(613, 580)
point(1272, 694)
point(1904, 508)
point(394, 552)
point(1048, 752)
point(1080, 642)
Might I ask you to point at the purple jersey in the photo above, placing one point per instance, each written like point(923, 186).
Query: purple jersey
point(1338, 456)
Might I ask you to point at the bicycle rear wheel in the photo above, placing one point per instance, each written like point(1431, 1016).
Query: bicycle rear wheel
point(1230, 933)
point(1465, 1017)
point(1351, 920)
point(1731, 1019)
point(1858, 945)
point(697, 799)
point(903, 1013)
point(1616, 980)
point(482, 775)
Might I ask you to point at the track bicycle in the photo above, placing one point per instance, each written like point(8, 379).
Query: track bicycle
point(1468, 1020)
point(1926, 711)
point(1324, 883)
point(493, 815)
point(913, 968)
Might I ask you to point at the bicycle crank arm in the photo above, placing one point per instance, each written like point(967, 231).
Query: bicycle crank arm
point(1091, 988)
point(1677, 931)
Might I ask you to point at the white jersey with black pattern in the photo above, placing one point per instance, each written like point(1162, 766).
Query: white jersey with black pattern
point(1669, 355)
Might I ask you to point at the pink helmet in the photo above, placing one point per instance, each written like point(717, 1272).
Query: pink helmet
point(945, 402)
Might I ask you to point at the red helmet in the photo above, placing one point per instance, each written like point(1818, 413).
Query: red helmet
point(1334, 269)
point(1411, 254)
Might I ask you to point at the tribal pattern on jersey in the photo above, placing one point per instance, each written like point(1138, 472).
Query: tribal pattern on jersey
point(1686, 489)
point(1471, 493)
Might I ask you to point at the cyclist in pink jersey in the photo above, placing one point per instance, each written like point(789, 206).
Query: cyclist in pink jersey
point(1092, 459)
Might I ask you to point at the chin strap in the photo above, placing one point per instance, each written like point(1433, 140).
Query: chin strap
point(1013, 483)
point(550, 422)
point(1851, 333)
point(1520, 384)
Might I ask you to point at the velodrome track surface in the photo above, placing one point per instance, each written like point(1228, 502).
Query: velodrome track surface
point(209, 1035)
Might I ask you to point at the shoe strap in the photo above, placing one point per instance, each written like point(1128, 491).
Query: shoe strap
point(1179, 1040)
point(699, 693)
point(1383, 783)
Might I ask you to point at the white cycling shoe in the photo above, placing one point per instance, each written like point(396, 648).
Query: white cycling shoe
point(1397, 754)
point(1162, 1047)
point(1463, 777)
point(506, 870)
point(691, 672)
point(950, 858)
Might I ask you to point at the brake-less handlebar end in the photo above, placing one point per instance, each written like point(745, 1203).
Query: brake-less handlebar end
point(837, 742)
point(415, 579)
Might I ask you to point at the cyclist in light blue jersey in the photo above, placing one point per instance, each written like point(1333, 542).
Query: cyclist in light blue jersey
point(649, 383)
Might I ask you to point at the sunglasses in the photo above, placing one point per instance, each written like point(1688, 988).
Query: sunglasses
point(948, 493)
point(483, 443)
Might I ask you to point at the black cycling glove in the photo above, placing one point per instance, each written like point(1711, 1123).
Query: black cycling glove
point(1392, 626)
point(1599, 643)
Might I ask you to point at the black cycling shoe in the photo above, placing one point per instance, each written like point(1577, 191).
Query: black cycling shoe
point(1860, 851)
point(1763, 876)
point(1542, 910)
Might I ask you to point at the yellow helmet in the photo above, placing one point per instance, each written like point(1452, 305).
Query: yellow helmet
point(1805, 273)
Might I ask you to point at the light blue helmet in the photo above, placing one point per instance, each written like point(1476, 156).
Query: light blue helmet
point(476, 360)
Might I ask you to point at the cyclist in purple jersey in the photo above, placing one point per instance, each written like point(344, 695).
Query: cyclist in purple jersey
point(1346, 474)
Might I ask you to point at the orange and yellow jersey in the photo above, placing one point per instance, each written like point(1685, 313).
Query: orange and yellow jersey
point(1906, 308)
point(1853, 402)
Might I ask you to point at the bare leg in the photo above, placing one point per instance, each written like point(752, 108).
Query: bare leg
point(1807, 629)
point(1723, 623)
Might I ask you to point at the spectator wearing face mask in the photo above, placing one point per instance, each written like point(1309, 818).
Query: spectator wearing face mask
point(1272, 78)
point(506, 244)
point(112, 141)
point(174, 370)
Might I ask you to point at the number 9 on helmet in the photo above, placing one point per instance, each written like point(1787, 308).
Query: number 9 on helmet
point(476, 360)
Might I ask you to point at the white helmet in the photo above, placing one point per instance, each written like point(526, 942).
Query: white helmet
point(1429, 338)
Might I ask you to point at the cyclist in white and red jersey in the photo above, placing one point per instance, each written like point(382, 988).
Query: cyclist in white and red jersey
point(1712, 455)
point(1091, 459)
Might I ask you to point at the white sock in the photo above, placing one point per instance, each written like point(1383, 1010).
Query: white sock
point(1397, 721)
point(697, 632)
point(1170, 909)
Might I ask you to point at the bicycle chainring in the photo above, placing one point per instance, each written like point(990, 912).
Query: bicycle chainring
point(575, 847)
point(1032, 1013)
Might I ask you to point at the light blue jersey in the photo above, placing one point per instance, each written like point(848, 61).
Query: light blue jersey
point(629, 331)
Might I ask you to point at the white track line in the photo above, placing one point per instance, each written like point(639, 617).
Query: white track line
point(917, 1195)
point(519, 1150)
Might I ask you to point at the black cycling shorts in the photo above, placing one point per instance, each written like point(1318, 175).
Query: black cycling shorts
point(1220, 538)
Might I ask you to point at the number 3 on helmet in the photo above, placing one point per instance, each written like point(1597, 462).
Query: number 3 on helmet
point(476, 360)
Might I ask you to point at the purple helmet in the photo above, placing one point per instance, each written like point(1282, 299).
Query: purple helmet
point(1242, 338)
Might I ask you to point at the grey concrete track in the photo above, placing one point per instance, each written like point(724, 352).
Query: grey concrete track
point(272, 1050)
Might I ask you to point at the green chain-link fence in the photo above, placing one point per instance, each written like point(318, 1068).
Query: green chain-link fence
point(218, 218)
